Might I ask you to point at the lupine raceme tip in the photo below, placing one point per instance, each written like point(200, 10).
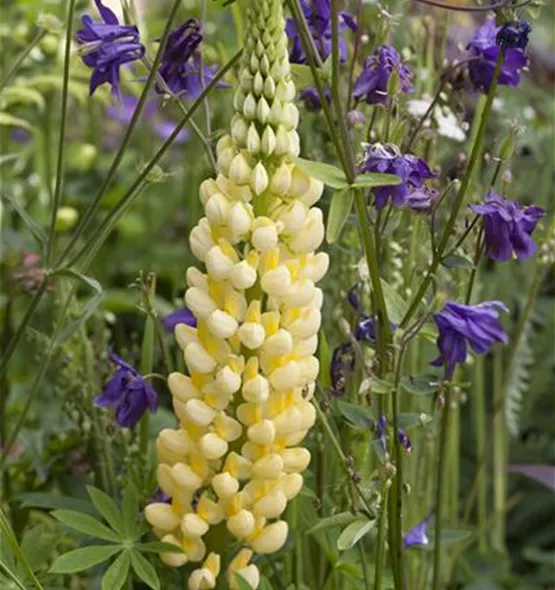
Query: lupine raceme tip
point(244, 407)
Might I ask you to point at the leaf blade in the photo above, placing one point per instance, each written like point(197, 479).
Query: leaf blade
point(107, 508)
point(85, 524)
point(340, 209)
point(328, 174)
point(83, 559)
point(144, 570)
point(116, 575)
point(354, 533)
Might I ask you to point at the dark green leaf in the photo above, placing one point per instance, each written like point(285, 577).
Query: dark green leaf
point(359, 416)
point(107, 508)
point(340, 209)
point(341, 519)
point(159, 547)
point(329, 175)
point(380, 386)
point(420, 384)
point(375, 179)
point(45, 500)
point(144, 570)
point(354, 533)
point(130, 510)
point(83, 559)
point(456, 261)
point(395, 304)
point(117, 573)
point(85, 524)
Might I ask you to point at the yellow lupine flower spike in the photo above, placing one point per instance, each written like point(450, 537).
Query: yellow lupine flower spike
point(243, 409)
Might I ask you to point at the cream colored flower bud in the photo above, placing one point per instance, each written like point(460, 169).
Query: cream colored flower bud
point(309, 416)
point(249, 574)
point(249, 107)
point(275, 113)
point(285, 377)
point(239, 130)
point(243, 275)
point(295, 460)
point(256, 390)
point(209, 510)
point(212, 446)
point(217, 209)
point(289, 421)
point(239, 220)
point(253, 140)
point(311, 235)
point(225, 485)
point(177, 442)
point(199, 302)
point(269, 88)
point(199, 360)
point(318, 300)
point(268, 144)
point(264, 235)
point(207, 188)
point(271, 538)
point(201, 579)
point(290, 116)
point(310, 367)
point(238, 101)
point(225, 158)
point(227, 427)
point(170, 558)
point(282, 141)
point(294, 144)
point(291, 484)
point(195, 278)
point(199, 412)
point(314, 192)
point(276, 282)
point(271, 505)
point(241, 525)
point(262, 433)
point(185, 335)
point(185, 477)
point(222, 324)
point(252, 335)
point(239, 170)
point(258, 82)
point(245, 79)
point(228, 381)
point(281, 180)
point(200, 239)
point(161, 516)
point(280, 343)
point(300, 183)
point(259, 179)
point(316, 267)
point(299, 294)
point(218, 264)
point(182, 387)
point(192, 525)
point(268, 467)
point(165, 479)
point(293, 217)
point(262, 111)
point(307, 325)
point(224, 143)
point(238, 466)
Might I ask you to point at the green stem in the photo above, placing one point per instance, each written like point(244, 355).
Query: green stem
point(57, 197)
point(440, 488)
point(479, 402)
point(499, 459)
point(459, 200)
point(147, 351)
point(380, 549)
point(20, 59)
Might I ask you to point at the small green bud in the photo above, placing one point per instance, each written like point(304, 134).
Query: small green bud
point(66, 218)
point(394, 84)
point(49, 22)
point(49, 45)
point(83, 157)
point(507, 147)
point(156, 175)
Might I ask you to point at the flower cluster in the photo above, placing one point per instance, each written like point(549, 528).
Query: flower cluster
point(412, 171)
point(244, 407)
point(483, 51)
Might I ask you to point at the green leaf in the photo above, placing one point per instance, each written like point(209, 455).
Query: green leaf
point(117, 573)
point(328, 174)
point(302, 75)
point(354, 533)
point(47, 82)
point(409, 420)
point(85, 524)
point(130, 510)
point(359, 416)
point(87, 310)
point(457, 261)
point(84, 558)
point(265, 584)
point(420, 384)
point(144, 570)
point(50, 501)
point(8, 120)
point(324, 358)
point(374, 179)
point(341, 205)
point(395, 304)
point(37, 545)
point(159, 547)
point(341, 519)
point(241, 582)
point(380, 386)
point(20, 94)
point(13, 575)
point(107, 508)
point(35, 229)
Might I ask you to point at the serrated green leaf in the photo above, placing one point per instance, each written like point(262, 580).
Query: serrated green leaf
point(420, 384)
point(9, 120)
point(144, 570)
point(116, 574)
point(341, 519)
point(159, 547)
point(85, 524)
point(328, 174)
point(395, 304)
point(130, 510)
point(375, 179)
point(340, 209)
point(357, 415)
point(82, 559)
point(354, 533)
point(107, 508)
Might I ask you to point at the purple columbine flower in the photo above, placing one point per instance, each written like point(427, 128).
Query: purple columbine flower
point(508, 227)
point(514, 35)
point(422, 199)
point(180, 316)
point(318, 16)
point(311, 98)
point(410, 169)
point(181, 64)
point(128, 393)
point(484, 50)
point(372, 84)
point(341, 367)
point(106, 46)
point(418, 535)
point(461, 325)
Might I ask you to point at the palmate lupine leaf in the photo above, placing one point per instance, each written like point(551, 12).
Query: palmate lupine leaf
point(518, 381)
